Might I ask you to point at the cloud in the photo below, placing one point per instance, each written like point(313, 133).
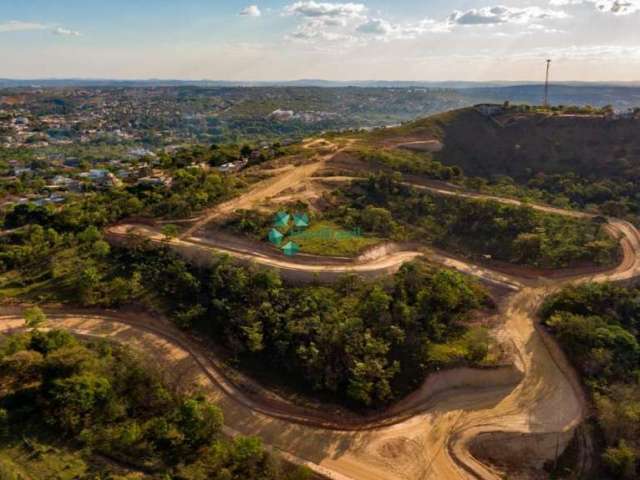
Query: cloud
point(65, 32)
point(326, 22)
point(538, 28)
point(251, 11)
point(376, 26)
point(19, 26)
point(501, 14)
point(614, 7)
point(312, 9)
point(385, 30)
point(332, 22)
point(315, 30)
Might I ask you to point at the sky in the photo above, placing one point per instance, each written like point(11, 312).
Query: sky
point(270, 40)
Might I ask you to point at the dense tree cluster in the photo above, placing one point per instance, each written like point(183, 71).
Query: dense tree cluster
point(365, 343)
point(192, 190)
point(409, 162)
point(519, 234)
point(100, 398)
point(598, 325)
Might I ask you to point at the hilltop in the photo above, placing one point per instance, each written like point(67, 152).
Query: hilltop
point(521, 144)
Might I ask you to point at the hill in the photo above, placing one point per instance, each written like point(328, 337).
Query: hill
point(583, 160)
point(521, 145)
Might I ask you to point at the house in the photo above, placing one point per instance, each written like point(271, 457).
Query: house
point(629, 114)
point(53, 199)
point(156, 180)
point(109, 180)
point(281, 115)
point(17, 171)
point(95, 174)
point(489, 109)
point(140, 152)
point(72, 162)
point(236, 166)
point(101, 177)
point(61, 181)
point(124, 173)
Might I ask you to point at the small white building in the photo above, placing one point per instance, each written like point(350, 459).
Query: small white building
point(233, 166)
point(282, 115)
point(22, 171)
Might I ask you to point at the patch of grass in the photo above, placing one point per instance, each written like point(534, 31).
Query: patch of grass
point(475, 346)
point(50, 284)
point(23, 459)
point(322, 237)
point(327, 238)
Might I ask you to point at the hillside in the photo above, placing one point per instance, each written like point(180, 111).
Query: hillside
point(520, 145)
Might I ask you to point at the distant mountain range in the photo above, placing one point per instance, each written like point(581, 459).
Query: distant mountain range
point(91, 82)
point(621, 95)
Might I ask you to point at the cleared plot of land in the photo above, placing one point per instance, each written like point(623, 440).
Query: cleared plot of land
point(443, 436)
point(547, 404)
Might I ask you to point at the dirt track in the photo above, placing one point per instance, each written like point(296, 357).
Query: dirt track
point(527, 414)
point(266, 189)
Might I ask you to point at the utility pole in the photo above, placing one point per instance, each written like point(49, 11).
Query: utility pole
point(546, 86)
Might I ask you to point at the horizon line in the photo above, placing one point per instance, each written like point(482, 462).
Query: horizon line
point(323, 80)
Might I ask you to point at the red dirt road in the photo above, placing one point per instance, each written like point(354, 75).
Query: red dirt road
point(522, 416)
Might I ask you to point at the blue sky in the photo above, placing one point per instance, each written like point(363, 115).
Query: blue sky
point(355, 40)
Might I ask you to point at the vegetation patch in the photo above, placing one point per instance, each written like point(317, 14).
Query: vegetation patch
point(407, 162)
point(383, 206)
point(365, 344)
point(328, 238)
point(321, 237)
point(598, 326)
point(73, 410)
point(576, 157)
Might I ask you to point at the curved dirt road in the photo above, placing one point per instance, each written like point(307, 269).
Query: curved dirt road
point(446, 435)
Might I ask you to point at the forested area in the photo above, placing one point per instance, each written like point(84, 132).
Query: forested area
point(99, 401)
point(407, 162)
point(610, 195)
point(383, 206)
point(598, 325)
point(588, 162)
point(192, 189)
point(365, 344)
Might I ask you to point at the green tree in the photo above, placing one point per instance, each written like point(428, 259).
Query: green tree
point(245, 151)
point(34, 317)
point(378, 220)
point(621, 461)
point(75, 398)
point(101, 249)
point(88, 284)
point(199, 421)
point(170, 231)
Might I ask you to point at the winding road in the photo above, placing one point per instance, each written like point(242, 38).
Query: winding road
point(456, 426)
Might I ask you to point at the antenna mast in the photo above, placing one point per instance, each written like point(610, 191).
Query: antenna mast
point(546, 86)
